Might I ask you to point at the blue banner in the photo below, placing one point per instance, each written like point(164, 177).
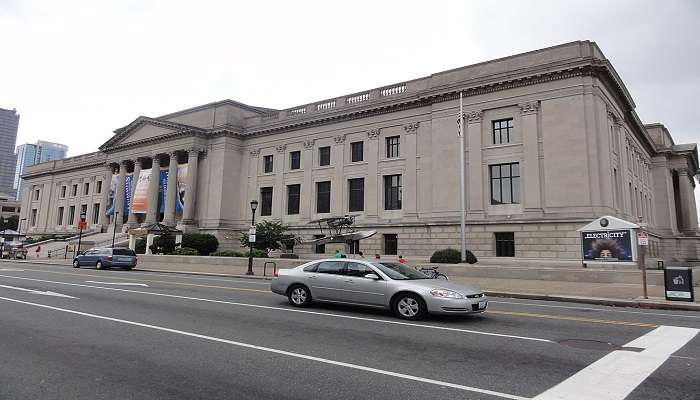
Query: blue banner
point(128, 187)
point(128, 183)
point(164, 193)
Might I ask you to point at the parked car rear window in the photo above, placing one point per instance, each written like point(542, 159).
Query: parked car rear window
point(123, 252)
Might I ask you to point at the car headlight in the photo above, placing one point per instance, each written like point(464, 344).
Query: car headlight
point(448, 294)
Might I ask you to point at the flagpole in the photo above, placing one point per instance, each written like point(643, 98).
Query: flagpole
point(463, 248)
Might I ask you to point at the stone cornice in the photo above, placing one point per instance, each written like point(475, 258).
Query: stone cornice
point(122, 133)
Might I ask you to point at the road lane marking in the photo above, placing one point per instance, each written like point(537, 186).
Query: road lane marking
point(278, 351)
point(469, 331)
point(568, 318)
point(593, 309)
point(119, 283)
point(34, 291)
point(11, 270)
point(616, 375)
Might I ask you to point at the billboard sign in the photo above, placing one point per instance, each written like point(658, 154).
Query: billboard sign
point(607, 245)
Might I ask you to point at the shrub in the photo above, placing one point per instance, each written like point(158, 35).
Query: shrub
point(185, 251)
point(451, 256)
point(227, 253)
point(164, 244)
point(140, 247)
point(204, 243)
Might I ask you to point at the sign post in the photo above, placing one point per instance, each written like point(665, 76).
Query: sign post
point(643, 242)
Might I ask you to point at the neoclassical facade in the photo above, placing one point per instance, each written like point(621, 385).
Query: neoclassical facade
point(552, 141)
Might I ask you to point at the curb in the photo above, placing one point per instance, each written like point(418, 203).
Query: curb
point(650, 304)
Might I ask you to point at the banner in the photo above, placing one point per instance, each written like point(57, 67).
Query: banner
point(180, 194)
point(111, 202)
point(128, 184)
point(607, 246)
point(109, 210)
point(139, 203)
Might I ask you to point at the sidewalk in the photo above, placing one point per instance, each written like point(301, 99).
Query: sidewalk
point(611, 294)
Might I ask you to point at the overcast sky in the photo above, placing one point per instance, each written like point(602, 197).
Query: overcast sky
point(77, 70)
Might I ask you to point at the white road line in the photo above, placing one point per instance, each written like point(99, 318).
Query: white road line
point(11, 270)
point(277, 351)
point(46, 293)
point(119, 283)
point(593, 309)
point(616, 375)
point(444, 328)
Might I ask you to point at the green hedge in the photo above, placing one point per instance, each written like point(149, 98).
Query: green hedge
point(232, 253)
point(185, 251)
point(204, 243)
point(451, 256)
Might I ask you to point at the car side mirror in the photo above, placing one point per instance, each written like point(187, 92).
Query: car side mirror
point(372, 276)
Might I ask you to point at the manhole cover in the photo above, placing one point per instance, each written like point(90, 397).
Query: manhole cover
point(586, 344)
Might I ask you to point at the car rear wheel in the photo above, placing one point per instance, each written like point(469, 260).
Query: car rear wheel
point(99, 265)
point(409, 306)
point(76, 264)
point(299, 296)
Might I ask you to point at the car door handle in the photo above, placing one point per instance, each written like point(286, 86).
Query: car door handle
point(348, 280)
point(312, 277)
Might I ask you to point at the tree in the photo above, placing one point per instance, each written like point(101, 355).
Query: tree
point(10, 222)
point(269, 235)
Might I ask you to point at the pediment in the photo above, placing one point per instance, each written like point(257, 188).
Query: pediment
point(144, 129)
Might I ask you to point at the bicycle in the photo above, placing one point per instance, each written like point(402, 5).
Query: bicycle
point(433, 273)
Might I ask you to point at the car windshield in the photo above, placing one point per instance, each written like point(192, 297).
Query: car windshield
point(400, 271)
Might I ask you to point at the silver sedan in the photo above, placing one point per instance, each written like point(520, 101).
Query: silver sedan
point(409, 293)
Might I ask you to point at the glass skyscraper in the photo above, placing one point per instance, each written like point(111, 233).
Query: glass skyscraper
point(35, 153)
point(9, 122)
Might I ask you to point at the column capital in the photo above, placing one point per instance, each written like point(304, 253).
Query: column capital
point(281, 148)
point(308, 145)
point(373, 133)
point(411, 127)
point(529, 108)
point(474, 116)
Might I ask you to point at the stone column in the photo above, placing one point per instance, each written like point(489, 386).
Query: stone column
point(153, 184)
point(190, 191)
point(475, 174)
point(106, 183)
point(171, 194)
point(689, 224)
point(410, 181)
point(372, 187)
point(278, 188)
point(530, 172)
point(118, 196)
point(338, 200)
point(133, 221)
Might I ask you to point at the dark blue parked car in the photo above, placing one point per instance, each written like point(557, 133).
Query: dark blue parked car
point(102, 258)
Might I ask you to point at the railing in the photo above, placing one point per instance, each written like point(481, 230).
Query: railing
point(325, 106)
point(274, 268)
point(268, 117)
point(357, 98)
point(297, 111)
point(390, 91)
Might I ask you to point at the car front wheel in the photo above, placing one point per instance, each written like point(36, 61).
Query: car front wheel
point(76, 264)
point(299, 296)
point(409, 306)
point(99, 265)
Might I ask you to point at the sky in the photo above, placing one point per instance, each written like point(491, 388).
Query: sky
point(78, 70)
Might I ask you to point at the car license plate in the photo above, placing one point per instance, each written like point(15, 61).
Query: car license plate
point(482, 305)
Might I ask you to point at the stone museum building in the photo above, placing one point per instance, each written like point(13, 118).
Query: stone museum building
point(552, 141)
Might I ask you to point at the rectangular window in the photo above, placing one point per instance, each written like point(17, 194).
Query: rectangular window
point(323, 197)
point(63, 192)
point(505, 183)
point(87, 188)
point(96, 213)
point(324, 156)
point(295, 160)
point(391, 244)
point(83, 211)
point(356, 194)
point(502, 131)
point(98, 188)
point(505, 244)
point(267, 164)
point(266, 201)
point(293, 192)
point(71, 216)
point(357, 151)
point(59, 220)
point(33, 221)
point(392, 147)
point(319, 248)
point(392, 192)
point(74, 191)
point(36, 194)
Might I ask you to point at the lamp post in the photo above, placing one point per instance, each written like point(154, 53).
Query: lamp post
point(81, 226)
point(114, 232)
point(251, 238)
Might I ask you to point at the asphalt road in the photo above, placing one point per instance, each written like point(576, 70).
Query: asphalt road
point(141, 335)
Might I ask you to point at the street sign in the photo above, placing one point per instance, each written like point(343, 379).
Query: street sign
point(678, 282)
point(251, 234)
point(642, 238)
point(82, 225)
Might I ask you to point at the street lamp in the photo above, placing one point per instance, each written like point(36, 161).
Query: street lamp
point(81, 226)
point(114, 233)
point(251, 237)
